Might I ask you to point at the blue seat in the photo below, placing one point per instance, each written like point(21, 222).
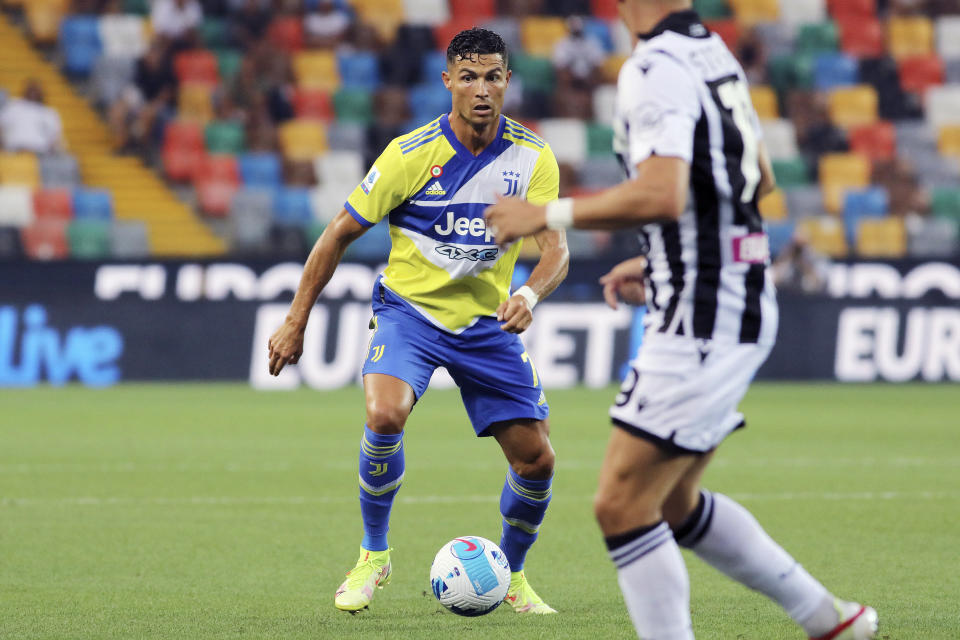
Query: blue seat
point(834, 70)
point(599, 30)
point(359, 70)
point(92, 204)
point(372, 245)
point(292, 207)
point(779, 234)
point(260, 170)
point(872, 202)
point(80, 43)
point(427, 101)
point(434, 63)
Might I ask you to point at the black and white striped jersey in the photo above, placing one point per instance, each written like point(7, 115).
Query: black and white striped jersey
point(683, 94)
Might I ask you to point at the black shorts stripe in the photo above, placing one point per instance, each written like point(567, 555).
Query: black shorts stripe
point(671, 240)
point(709, 257)
point(751, 320)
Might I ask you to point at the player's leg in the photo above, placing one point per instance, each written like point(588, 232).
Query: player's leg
point(523, 501)
point(636, 477)
point(729, 538)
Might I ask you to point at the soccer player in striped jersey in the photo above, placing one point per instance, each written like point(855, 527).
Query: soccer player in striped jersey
point(444, 301)
point(691, 143)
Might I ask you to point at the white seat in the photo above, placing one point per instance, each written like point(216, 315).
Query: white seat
point(942, 105)
point(802, 11)
point(605, 103)
point(339, 168)
point(567, 137)
point(947, 36)
point(16, 206)
point(431, 12)
point(622, 40)
point(328, 199)
point(781, 138)
point(123, 36)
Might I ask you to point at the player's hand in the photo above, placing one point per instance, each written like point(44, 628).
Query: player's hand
point(625, 282)
point(285, 346)
point(512, 218)
point(515, 314)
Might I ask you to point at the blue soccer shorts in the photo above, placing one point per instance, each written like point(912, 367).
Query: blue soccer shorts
point(496, 377)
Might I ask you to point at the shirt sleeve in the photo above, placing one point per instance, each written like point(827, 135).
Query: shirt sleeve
point(545, 182)
point(659, 102)
point(382, 190)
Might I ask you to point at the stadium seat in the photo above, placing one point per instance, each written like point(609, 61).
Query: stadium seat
point(80, 43)
point(216, 180)
point(19, 169)
point(790, 71)
point(826, 235)
point(473, 10)
point(228, 63)
point(225, 136)
point(92, 205)
point(805, 201)
point(353, 105)
point(195, 103)
point(537, 73)
point(779, 234)
point(110, 77)
point(427, 101)
point(728, 30)
point(53, 204)
point(129, 240)
point(59, 170)
point(942, 105)
point(791, 172)
point(568, 138)
point(327, 201)
point(343, 168)
point(872, 202)
point(344, 135)
point(182, 150)
point(935, 170)
point(948, 140)
point(286, 33)
point(301, 140)
point(89, 239)
point(863, 37)
point(434, 63)
point(260, 170)
point(876, 141)
point(881, 238)
point(43, 19)
point(918, 73)
point(947, 30)
point(541, 34)
point(444, 33)
point(777, 38)
point(750, 12)
point(773, 206)
point(358, 70)
point(909, 36)
point(840, 172)
point(605, 103)
point(599, 139)
point(765, 102)
point(932, 238)
point(796, 12)
point(600, 31)
point(818, 37)
point(831, 70)
point(610, 69)
point(138, 7)
point(945, 203)
point(251, 213)
point(11, 246)
point(608, 8)
point(314, 104)
point(45, 240)
point(197, 67)
point(123, 35)
point(292, 207)
point(852, 8)
point(316, 70)
point(16, 206)
point(214, 32)
point(431, 12)
point(600, 172)
point(385, 16)
point(853, 106)
point(781, 138)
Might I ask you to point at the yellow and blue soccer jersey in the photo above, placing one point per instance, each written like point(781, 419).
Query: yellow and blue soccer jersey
point(444, 262)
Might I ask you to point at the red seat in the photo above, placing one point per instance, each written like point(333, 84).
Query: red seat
point(286, 33)
point(476, 10)
point(878, 141)
point(314, 104)
point(46, 240)
point(216, 180)
point(197, 67)
point(53, 204)
point(728, 30)
point(917, 73)
point(604, 9)
point(221, 167)
point(859, 8)
point(445, 32)
point(182, 150)
point(861, 36)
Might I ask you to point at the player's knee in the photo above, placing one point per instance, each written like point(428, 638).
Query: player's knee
point(385, 418)
point(538, 466)
point(617, 510)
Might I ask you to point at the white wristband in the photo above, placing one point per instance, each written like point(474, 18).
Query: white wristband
point(560, 214)
point(527, 294)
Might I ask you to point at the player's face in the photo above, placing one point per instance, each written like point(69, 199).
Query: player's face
point(478, 85)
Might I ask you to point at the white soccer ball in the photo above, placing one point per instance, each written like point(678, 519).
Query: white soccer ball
point(470, 576)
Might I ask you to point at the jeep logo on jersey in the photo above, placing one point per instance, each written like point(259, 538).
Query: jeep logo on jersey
point(464, 226)
point(473, 255)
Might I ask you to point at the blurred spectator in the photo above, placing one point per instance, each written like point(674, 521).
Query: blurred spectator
point(753, 57)
point(27, 124)
point(177, 22)
point(249, 23)
point(577, 58)
point(816, 135)
point(907, 198)
point(800, 267)
point(326, 25)
point(133, 116)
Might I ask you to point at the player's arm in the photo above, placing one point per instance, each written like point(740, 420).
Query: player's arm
point(286, 344)
point(768, 182)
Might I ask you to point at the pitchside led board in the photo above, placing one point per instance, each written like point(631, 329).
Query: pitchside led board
point(104, 323)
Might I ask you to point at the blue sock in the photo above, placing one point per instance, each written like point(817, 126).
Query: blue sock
point(381, 472)
point(523, 504)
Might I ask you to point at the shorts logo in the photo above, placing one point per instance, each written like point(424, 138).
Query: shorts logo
point(436, 189)
point(370, 180)
point(436, 171)
point(377, 352)
point(473, 255)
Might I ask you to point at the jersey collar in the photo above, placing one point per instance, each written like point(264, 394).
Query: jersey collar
point(492, 149)
point(686, 23)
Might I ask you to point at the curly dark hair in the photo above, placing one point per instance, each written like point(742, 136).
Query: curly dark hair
point(476, 41)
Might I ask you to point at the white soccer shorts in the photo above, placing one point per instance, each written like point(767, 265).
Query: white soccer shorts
point(682, 394)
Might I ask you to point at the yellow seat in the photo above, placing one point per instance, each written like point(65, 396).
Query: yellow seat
point(302, 140)
point(909, 36)
point(853, 106)
point(825, 234)
point(750, 12)
point(948, 140)
point(385, 16)
point(611, 67)
point(19, 169)
point(195, 103)
point(765, 102)
point(43, 18)
point(840, 172)
point(773, 206)
point(882, 238)
point(540, 34)
point(316, 70)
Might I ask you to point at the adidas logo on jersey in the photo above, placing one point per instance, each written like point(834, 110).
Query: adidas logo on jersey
point(436, 189)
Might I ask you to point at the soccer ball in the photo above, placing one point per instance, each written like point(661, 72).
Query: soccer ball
point(470, 576)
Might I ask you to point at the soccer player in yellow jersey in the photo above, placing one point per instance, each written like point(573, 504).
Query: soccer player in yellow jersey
point(444, 301)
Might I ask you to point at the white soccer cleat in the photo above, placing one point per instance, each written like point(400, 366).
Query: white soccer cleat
point(857, 622)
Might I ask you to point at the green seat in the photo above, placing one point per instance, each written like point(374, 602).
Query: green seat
point(712, 9)
point(353, 105)
point(791, 173)
point(945, 203)
point(139, 7)
point(228, 63)
point(213, 32)
point(818, 37)
point(537, 73)
point(599, 139)
point(312, 232)
point(89, 240)
point(791, 71)
point(225, 137)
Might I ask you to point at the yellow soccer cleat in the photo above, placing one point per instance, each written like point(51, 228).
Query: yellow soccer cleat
point(372, 571)
point(523, 598)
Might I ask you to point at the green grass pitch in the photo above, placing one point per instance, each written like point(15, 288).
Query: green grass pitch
point(213, 511)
